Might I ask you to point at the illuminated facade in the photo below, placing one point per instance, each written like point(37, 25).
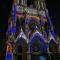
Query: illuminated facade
point(29, 30)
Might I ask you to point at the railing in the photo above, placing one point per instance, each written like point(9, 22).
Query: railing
point(31, 11)
point(21, 9)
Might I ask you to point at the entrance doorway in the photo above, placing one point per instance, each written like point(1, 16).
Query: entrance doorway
point(21, 49)
point(19, 57)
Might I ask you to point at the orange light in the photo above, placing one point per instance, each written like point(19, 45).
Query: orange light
point(9, 48)
point(30, 16)
point(36, 17)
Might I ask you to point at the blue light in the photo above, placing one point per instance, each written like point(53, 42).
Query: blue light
point(42, 58)
point(53, 33)
point(14, 13)
point(43, 45)
point(9, 56)
point(14, 29)
point(14, 18)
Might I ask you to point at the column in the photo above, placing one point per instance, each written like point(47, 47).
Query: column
point(41, 2)
point(28, 53)
point(49, 53)
point(9, 52)
point(22, 1)
point(42, 5)
point(14, 53)
point(14, 17)
point(25, 2)
point(38, 4)
point(17, 2)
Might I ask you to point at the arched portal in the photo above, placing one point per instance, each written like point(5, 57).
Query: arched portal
point(35, 49)
point(21, 49)
point(53, 48)
point(38, 47)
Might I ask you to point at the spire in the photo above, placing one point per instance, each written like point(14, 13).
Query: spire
point(38, 4)
point(21, 2)
point(42, 5)
point(36, 28)
point(17, 2)
point(51, 36)
point(22, 35)
point(21, 30)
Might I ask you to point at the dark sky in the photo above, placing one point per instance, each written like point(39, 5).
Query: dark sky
point(5, 7)
point(54, 11)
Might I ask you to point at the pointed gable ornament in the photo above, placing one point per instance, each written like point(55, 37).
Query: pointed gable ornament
point(51, 37)
point(37, 33)
point(22, 35)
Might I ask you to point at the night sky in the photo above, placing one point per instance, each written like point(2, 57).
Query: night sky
point(6, 5)
point(54, 12)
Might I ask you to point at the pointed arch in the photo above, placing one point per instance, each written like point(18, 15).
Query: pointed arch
point(20, 41)
point(21, 46)
point(38, 36)
point(38, 46)
point(21, 35)
point(53, 46)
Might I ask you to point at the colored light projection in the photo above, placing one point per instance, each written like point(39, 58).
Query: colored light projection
point(9, 54)
point(14, 13)
point(39, 37)
point(13, 28)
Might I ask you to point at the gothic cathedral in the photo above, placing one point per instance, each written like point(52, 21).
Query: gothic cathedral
point(29, 31)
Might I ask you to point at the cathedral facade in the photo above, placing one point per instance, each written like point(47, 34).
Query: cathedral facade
point(29, 31)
